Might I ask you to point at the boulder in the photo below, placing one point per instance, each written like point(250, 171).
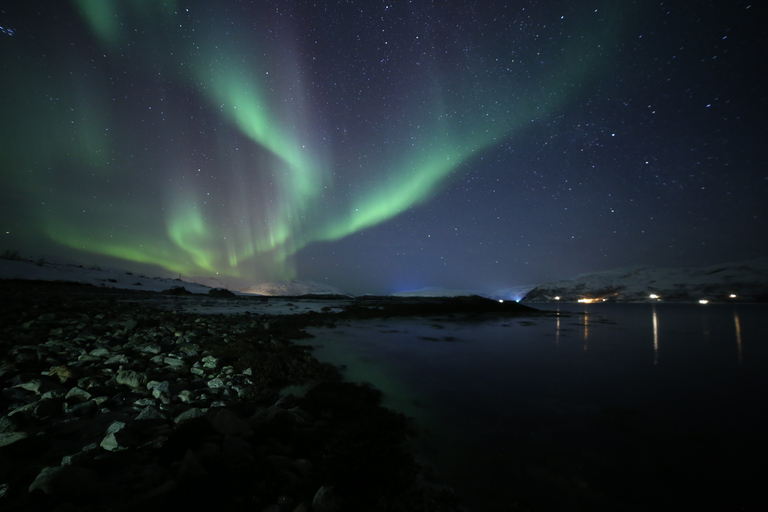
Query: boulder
point(66, 481)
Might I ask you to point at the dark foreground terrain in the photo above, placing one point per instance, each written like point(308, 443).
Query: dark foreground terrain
point(110, 402)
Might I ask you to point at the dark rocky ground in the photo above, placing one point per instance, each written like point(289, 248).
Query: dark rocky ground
point(110, 403)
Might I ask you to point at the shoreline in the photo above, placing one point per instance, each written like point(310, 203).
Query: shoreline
point(113, 400)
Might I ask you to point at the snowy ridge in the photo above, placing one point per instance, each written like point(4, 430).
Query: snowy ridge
point(294, 288)
point(747, 280)
point(94, 275)
point(515, 293)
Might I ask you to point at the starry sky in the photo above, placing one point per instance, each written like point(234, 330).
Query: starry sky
point(383, 146)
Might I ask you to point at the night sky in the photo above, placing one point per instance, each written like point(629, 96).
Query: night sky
point(383, 146)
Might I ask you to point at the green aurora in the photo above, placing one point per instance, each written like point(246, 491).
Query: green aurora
point(237, 171)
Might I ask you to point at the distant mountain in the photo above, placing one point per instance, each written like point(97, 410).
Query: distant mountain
point(433, 291)
point(747, 280)
point(514, 293)
point(106, 277)
point(294, 289)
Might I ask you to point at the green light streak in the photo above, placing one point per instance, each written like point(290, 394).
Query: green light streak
point(300, 178)
point(276, 204)
point(189, 232)
point(103, 16)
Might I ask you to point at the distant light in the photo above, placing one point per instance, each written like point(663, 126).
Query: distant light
point(653, 296)
point(733, 295)
point(589, 301)
point(557, 298)
point(501, 300)
point(703, 301)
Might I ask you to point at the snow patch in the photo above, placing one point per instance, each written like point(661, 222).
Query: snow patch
point(294, 288)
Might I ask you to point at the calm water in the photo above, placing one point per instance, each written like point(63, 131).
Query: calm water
point(606, 407)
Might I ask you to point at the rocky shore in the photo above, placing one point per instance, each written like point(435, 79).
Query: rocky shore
point(112, 403)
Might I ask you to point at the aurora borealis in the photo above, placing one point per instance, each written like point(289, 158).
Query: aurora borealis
point(381, 146)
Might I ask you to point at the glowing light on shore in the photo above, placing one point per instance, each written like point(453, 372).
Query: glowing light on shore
point(703, 301)
point(653, 296)
point(732, 296)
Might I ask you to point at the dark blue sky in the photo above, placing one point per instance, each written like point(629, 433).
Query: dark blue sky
point(383, 146)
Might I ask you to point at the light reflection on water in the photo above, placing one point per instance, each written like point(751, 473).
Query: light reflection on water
point(655, 337)
point(601, 409)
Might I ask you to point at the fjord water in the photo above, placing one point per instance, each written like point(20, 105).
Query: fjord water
point(596, 407)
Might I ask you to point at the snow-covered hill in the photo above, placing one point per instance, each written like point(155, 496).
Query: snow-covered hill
point(94, 275)
point(746, 280)
point(515, 293)
point(294, 289)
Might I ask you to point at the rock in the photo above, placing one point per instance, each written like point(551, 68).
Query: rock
point(326, 500)
point(131, 378)
point(304, 506)
point(6, 368)
point(118, 359)
point(6, 425)
point(160, 388)
point(38, 386)
point(176, 290)
point(63, 373)
point(100, 352)
point(151, 348)
point(46, 407)
point(210, 361)
point(286, 402)
point(150, 414)
point(284, 501)
point(77, 395)
point(226, 422)
point(118, 438)
point(21, 414)
point(215, 383)
point(115, 426)
point(303, 466)
point(237, 450)
point(88, 408)
point(173, 362)
point(189, 414)
point(8, 438)
point(66, 481)
point(144, 402)
point(190, 468)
